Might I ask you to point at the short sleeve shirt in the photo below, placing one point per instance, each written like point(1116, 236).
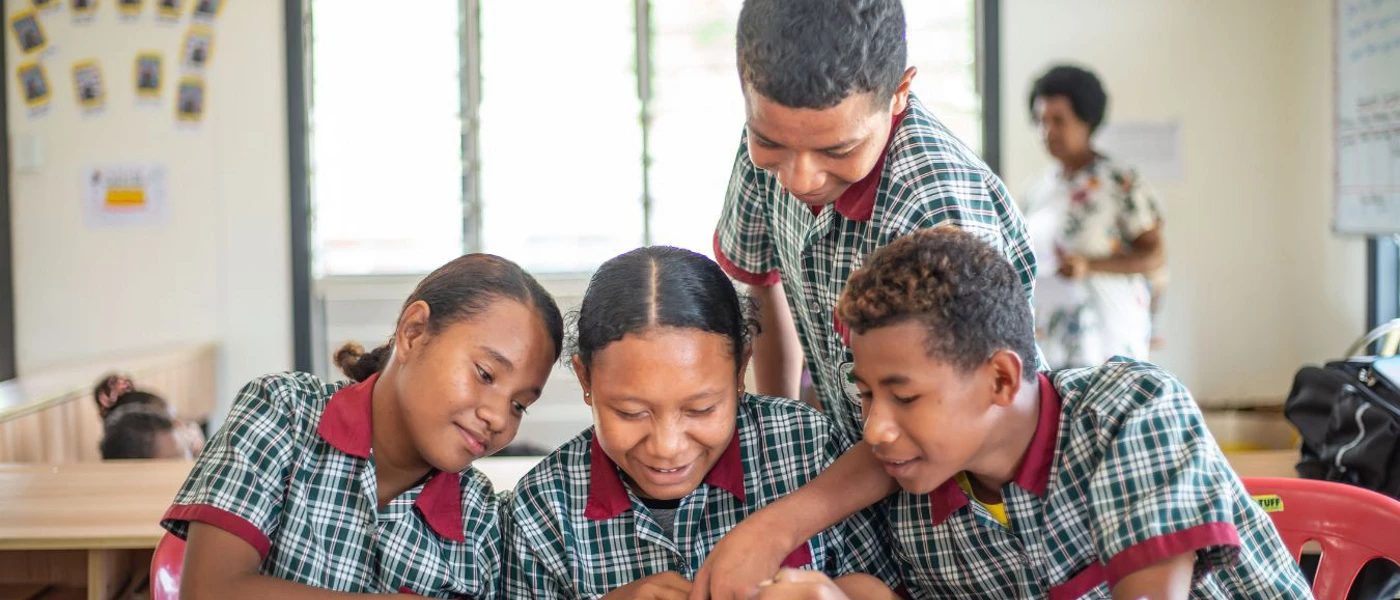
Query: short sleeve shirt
point(1096, 212)
point(1120, 474)
point(926, 178)
point(577, 531)
point(291, 472)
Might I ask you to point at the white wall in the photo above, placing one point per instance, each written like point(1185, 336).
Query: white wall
point(1259, 284)
point(219, 268)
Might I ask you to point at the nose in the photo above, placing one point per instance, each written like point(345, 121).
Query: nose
point(667, 441)
point(801, 175)
point(493, 412)
point(879, 428)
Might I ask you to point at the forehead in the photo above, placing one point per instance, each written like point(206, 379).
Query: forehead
point(854, 117)
point(508, 327)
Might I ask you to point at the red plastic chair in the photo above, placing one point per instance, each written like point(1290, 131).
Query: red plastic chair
point(166, 566)
point(1353, 526)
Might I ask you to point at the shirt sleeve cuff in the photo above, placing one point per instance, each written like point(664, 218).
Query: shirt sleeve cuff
point(746, 277)
point(1156, 549)
point(225, 520)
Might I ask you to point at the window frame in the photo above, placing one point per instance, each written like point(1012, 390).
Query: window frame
point(987, 25)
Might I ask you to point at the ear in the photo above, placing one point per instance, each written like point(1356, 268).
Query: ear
point(412, 333)
point(1004, 368)
point(744, 366)
point(901, 93)
point(581, 371)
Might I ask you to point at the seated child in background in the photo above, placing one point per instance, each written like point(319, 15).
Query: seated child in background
point(116, 394)
point(1085, 483)
point(678, 453)
point(138, 431)
point(311, 489)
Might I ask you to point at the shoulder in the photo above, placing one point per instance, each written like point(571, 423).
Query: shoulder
point(1119, 388)
point(552, 484)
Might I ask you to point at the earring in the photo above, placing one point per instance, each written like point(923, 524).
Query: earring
point(588, 394)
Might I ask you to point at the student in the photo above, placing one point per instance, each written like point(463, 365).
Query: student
point(142, 431)
point(678, 452)
point(365, 488)
point(838, 158)
point(114, 394)
point(1085, 483)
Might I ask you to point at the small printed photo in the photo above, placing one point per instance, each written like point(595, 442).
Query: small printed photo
point(84, 11)
point(45, 4)
point(34, 83)
point(207, 9)
point(130, 8)
point(169, 9)
point(148, 74)
point(28, 33)
point(199, 44)
point(189, 103)
point(87, 82)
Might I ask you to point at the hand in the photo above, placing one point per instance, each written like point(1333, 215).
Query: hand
point(1074, 267)
point(661, 586)
point(744, 558)
point(794, 584)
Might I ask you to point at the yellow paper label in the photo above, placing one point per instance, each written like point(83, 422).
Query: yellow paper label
point(1270, 503)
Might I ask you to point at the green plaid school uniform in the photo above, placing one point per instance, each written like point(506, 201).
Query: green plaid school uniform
point(574, 530)
point(1120, 474)
point(925, 178)
point(291, 472)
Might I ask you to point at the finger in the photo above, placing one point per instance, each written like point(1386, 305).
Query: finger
point(700, 588)
point(801, 576)
point(784, 590)
point(666, 592)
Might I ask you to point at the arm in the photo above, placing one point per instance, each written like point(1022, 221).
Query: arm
point(777, 353)
point(1169, 579)
point(753, 551)
point(859, 586)
point(219, 565)
point(1146, 254)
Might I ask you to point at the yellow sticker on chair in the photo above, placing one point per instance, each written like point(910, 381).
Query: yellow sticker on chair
point(1271, 503)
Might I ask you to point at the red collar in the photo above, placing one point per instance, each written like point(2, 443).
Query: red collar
point(607, 496)
point(347, 425)
point(857, 203)
point(1034, 476)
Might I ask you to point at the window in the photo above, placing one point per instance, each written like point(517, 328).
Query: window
point(595, 137)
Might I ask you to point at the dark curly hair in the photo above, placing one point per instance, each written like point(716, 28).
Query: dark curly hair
point(816, 53)
point(457, 291)
point(660, 286)
point(960, 288)
point(1083, 89)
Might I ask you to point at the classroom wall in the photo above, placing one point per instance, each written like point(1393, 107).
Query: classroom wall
point(219, 267)
point(1258, 283)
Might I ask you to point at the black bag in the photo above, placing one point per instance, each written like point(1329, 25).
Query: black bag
point(1348, 415)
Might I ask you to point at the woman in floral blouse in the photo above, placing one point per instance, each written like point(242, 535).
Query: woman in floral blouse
point(1096, 228)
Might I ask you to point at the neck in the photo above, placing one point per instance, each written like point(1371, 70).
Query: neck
point(1003, 454)
point(397, 464)
point(1073, 164)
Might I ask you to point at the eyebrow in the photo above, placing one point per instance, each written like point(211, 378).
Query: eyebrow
point(691, 398)
point(498, 357)
point(890, 380)
point(833, 148)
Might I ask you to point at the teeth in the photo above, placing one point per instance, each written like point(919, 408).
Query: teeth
point(668, 470)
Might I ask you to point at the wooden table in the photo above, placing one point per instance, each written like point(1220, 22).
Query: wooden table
point(85, 525)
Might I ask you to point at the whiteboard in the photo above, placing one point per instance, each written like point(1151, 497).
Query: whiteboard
point(1367, 120)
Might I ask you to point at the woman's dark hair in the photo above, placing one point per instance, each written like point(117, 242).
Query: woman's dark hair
point(1083, 89)
point(660, 286)
point(131, 432)
point(457, 291)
